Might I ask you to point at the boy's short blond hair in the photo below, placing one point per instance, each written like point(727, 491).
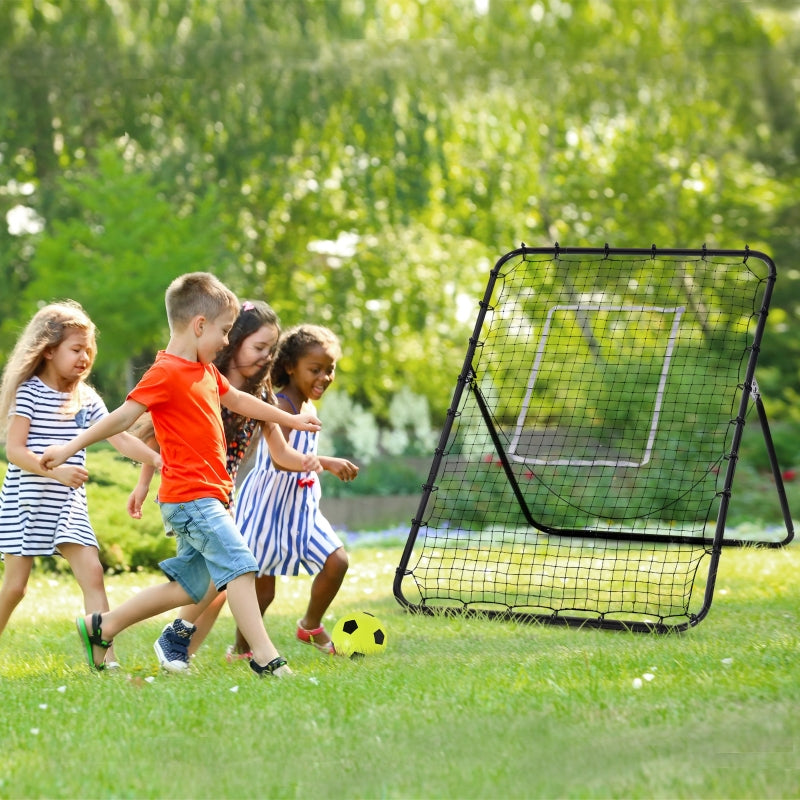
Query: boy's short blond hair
point(197, 293)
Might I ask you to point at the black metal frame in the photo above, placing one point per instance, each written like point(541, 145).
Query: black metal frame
point(466, 382)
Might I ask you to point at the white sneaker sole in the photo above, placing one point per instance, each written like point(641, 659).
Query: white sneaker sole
point(169, 666)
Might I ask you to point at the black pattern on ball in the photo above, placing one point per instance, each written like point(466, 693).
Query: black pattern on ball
point(358, 635)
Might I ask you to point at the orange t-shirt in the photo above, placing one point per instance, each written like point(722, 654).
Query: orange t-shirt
point(183, 398)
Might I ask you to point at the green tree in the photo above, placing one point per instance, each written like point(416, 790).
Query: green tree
point(116, 255)
point(426, 139)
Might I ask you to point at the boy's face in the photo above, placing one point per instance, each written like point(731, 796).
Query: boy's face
point(212, 335)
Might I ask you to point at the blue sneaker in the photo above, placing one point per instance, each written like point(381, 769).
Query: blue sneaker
point(172, 647)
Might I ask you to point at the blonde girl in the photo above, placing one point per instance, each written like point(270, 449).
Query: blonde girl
point(44, 400)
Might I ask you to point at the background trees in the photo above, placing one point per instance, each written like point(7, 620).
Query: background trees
point(363, 163)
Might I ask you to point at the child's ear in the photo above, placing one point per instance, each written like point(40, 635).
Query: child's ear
point(198, 325)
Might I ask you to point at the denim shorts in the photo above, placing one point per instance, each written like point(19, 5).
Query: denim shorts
point(210, 547)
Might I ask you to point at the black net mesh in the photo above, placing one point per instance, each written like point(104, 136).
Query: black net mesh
point(591, 438)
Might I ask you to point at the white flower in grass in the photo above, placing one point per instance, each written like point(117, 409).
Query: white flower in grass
point(150, 678)
point(648, 676)
point(61, 689)
point(234, 689)
point(315, 681)
point(637, 683)
point(727, 661)
point(43, 706)
point(35, 731)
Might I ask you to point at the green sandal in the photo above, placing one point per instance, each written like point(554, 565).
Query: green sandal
point(94, 638)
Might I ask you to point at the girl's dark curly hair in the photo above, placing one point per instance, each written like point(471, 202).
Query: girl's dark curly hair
point(295, 343)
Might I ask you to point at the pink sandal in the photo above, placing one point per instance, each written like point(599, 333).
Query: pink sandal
point(231, 655)
point(307, 636)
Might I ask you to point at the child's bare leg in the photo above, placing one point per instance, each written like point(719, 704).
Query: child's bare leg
point(265, 592)
point(15, 583)
point(244, 607)
point(324, 588)
point(84, 561)
point(148, 603)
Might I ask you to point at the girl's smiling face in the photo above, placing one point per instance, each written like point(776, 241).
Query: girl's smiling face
point(255, 351)
point(313, 372)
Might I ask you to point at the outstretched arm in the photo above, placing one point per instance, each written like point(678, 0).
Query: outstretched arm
point(343, 469)
point(135, 449)
point(117, 421)
point(139, 493)
point(285, 457)
point(248, 406)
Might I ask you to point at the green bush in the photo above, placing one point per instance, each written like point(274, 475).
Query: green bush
point(125, 543)
point(387, 475)
point(129, 545)
point(785, 438)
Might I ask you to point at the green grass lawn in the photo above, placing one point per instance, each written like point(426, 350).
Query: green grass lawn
point(455, 708)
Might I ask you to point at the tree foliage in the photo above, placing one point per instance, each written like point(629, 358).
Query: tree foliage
point(363, 163)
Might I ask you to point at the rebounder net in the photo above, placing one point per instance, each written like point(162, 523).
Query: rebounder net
point(585, 469)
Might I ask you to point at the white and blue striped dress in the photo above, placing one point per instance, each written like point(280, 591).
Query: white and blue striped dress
point(38, 514)
point(279, 516)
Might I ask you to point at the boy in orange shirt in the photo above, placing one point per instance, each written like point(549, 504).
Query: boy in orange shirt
point(183, 391)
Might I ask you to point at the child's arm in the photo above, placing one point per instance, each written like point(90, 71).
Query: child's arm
point(139, 493)
point(343, 469)
point(117, 421)
point(248, 406)
point(135, 449)
point(285, 457)
point(22, 456)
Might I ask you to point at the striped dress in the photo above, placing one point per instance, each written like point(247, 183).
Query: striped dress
point(38, 514)
point(279, 516)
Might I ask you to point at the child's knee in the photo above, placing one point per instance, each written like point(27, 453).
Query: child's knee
point(94, 577)
point(266, 593)
point(14, 592)
point(338, 561)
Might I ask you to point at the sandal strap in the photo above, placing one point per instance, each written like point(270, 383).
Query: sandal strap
point(276, 663)
point(314, 632)
point(96, 636)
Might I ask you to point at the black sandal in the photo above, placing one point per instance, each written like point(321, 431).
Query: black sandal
point(276, 664)
point(94, 638)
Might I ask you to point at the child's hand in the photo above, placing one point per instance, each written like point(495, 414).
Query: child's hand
point(343, 469)
point(54, 456)
point(71, 475)
point(311, 463)
point(307, 422)
point(136, 501)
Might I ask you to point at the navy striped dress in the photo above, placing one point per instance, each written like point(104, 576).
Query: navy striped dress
point(36, 513)
point(279, 516)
